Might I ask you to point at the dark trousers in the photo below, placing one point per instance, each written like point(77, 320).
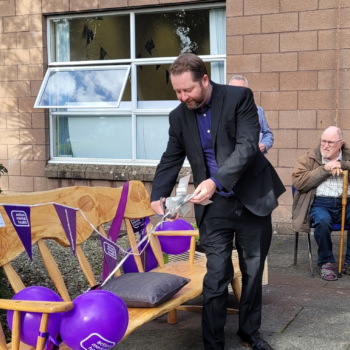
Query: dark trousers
point(224, 219)
point(326, 211)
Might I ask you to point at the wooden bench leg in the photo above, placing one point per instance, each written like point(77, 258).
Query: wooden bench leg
point(199, 309)
point(16, 330)
point(2, 340)
point(43, 328)
point(236, 288)
point(172, 317)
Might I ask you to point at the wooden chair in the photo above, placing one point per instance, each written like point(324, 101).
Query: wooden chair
point(99, 205)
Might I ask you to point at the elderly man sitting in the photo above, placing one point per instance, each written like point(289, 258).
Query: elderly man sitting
point(319, 186)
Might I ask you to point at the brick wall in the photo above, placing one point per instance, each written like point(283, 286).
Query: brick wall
point(286, 49)
point(24, 130)
point(288, 52)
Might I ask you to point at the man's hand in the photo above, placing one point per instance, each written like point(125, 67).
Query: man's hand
point(157, 207)
point(334, 167)
point(262, 147)
point(204, 191)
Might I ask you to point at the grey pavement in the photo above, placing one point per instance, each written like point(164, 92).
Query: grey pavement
point(299, 312)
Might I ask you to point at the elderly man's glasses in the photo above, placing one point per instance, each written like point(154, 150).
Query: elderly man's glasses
point(330, 143)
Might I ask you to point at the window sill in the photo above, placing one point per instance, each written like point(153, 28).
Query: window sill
point(105, 172)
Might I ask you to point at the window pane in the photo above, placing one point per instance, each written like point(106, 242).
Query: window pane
point(154, 89)
point(152, 136)
point(90, 38)
point(92, 136)
point(88, 87)
point(217, 72)
point(162, 34)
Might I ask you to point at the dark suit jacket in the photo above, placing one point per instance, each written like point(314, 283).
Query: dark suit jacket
point(235, 136)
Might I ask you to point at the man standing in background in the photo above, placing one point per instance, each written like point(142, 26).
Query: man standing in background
point(266, 136)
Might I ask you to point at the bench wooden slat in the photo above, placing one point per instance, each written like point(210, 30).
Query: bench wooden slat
point(85, 266)
point(13, 278)
point(53, 270)
point(237, 290)
point(156, 248)
point(192, 250)
point(133, 243)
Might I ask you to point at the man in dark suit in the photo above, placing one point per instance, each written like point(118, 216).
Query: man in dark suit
point(217, 128)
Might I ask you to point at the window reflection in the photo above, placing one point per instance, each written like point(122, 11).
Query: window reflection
point(171, 33)
point(91, 38)
point(84, 87)
point(92, 136)
point(154, 89)
point(152, 136)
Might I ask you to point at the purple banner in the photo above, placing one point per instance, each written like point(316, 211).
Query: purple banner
point(110, 253)
point(20, 218)
point(68, 218)
point(139, 225)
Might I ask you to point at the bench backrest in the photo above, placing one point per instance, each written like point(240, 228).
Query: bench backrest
point(99, 205)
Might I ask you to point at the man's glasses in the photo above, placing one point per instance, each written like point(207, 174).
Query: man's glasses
point(330, 143)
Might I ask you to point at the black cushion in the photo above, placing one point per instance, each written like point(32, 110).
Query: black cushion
point(147, 289)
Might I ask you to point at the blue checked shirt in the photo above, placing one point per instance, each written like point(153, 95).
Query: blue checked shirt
point(266, 134)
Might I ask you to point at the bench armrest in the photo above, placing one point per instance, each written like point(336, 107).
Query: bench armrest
point(36, 306)
point(176, 233)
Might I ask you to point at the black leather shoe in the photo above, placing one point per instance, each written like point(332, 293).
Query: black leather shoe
point(256, 342)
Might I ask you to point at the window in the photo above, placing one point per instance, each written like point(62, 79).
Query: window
point(107, 86)
point(83, 87)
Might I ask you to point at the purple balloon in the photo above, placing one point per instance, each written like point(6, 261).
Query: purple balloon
point(151, 262)
point(175, 244)
point(30, 321)
point(98, 321)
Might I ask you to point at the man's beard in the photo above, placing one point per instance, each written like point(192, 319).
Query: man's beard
point(325, 154)
point(195, 103)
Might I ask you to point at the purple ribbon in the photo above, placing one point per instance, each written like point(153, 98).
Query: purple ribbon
point(49, 340)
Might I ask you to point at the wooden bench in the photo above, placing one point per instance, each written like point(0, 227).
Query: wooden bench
point(99, 205)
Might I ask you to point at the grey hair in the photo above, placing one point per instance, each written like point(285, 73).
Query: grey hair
point(335, 129)
point(239, 77)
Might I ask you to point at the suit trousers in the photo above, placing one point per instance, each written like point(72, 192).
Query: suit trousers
point(223, 220)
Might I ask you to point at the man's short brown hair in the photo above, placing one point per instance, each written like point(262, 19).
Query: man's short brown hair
point(189, 62)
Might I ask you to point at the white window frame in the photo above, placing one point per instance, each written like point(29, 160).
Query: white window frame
point(84, 68)
point(133, 62)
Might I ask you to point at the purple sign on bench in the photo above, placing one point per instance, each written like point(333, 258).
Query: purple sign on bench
point(96, 342)
point(20, 218)
point(110, 252)
point(139, 225)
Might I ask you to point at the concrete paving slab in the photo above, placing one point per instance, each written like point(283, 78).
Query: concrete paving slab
point(315, 321)
point(292, 342)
